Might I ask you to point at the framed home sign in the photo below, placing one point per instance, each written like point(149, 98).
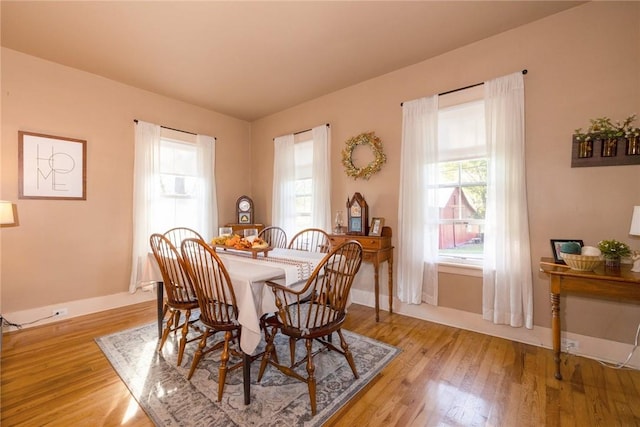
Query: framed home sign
point(51, 167)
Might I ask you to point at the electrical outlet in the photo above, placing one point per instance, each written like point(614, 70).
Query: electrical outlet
point(569, 344)
point(60, 312)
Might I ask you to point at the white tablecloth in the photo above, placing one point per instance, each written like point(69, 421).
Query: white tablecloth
point(286, 266)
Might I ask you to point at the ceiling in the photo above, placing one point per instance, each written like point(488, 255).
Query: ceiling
point(251, 59)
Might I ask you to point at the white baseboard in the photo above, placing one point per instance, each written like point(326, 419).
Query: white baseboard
point(76, 308)
point(612, 352)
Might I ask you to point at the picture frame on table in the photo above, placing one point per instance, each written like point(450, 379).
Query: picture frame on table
point(51, 167)
point(556, 245)
point(376, 226)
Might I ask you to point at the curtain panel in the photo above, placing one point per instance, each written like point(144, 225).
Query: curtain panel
point(418, 207)
point(507, 281)
point(146, 191)
point(321, 178)
point(283, 213)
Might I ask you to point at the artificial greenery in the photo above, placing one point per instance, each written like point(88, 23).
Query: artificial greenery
point(603, 127)
point(614, 249)
point(374, 166)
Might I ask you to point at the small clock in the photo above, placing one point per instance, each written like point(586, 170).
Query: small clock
point(244, 210)
point(358, 215)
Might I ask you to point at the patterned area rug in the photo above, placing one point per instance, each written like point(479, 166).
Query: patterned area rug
point(163, 391)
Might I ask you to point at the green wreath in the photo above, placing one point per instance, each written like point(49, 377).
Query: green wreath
point(375, 166)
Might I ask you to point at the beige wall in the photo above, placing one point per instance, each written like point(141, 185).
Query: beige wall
point(583, 63)
point(71, 250)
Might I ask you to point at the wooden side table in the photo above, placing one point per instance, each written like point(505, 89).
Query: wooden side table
point(239, 228)
point(376, 250)
point(623, 285)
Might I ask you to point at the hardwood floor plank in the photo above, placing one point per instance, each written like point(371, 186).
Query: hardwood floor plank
point(56, 375)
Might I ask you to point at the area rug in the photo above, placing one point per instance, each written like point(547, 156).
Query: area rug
point(163, 391)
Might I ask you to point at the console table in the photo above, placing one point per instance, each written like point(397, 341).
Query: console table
point(622, 285)
point(376, 250)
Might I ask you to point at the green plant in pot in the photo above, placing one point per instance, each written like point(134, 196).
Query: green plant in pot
point(613, 251)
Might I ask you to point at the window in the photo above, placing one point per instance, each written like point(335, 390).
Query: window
point(178, 201)
point(462, 181)
point(173, 186)
point(303, 183)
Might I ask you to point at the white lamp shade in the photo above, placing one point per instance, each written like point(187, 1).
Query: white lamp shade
point(6, 213)
point(635, 222)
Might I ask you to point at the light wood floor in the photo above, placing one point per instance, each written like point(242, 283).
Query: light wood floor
point(56, 375)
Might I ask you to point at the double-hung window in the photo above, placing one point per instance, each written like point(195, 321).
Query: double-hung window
point(179, 185)
point(303, 183)
point(462, 181)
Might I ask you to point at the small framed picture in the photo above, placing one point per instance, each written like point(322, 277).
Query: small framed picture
point(376, 226)
point(556, 245)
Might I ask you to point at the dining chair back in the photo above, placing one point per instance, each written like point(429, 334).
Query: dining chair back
point(218, 307)
point(178, 289)
point(178, 234)
point(311, 240)
point(313, 313)
point(276, 237)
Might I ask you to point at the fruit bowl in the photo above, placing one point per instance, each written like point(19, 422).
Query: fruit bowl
point(581, 262)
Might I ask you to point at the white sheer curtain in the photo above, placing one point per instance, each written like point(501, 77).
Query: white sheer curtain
point(145, 192)
point(507, 285)
point(321, 179)
point(283, 204)
point(208, 201)
point(418, 207)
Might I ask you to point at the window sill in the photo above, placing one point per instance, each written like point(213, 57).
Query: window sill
point(460, 269)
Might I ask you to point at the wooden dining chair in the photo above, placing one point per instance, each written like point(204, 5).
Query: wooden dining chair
point(314, 313)
point(311, 240)
point(218, 307)
point(178, 234)
point(276, 237)
point(178, 289)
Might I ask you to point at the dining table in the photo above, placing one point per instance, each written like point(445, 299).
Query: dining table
point(248, 274)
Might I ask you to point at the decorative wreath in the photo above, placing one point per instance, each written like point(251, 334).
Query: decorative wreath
point(374, 142)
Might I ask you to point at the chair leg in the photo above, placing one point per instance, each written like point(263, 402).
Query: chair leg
point(292, 350)
point(167, 329)
point(311, 379)
point(183, 339)
point(347, 353)
point(176, 320)
point(198, 353)
point(269, 351)
point(224, 358)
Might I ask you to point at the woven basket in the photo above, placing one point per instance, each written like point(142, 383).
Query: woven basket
point(581, 262)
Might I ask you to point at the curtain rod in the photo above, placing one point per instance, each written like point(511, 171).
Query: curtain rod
point(525, 71)
point(177, 130)
point(306, 130)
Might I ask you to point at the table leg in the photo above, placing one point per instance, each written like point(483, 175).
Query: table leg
point(246, 377)
point(160, 305)
point(555, 331)
point(376, 266)
point(390, 262)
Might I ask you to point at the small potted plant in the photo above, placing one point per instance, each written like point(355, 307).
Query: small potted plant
point(632, 135)
point(603, 129)
point(613, 251)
